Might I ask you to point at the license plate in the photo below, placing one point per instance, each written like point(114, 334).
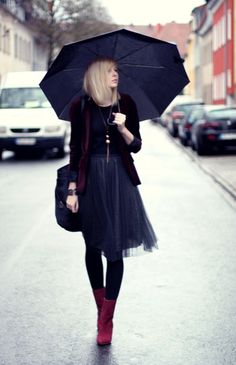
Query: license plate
point(25, 141)
point(228, 136)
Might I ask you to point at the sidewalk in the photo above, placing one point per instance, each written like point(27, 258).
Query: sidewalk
point(221, 168)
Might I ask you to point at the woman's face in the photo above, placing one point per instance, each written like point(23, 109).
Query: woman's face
point(112, 76)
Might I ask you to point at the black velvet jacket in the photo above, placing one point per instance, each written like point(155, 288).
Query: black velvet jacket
point(80, 142)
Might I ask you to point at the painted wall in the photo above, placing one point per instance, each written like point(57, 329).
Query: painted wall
point(223, 53)
point(18, 48)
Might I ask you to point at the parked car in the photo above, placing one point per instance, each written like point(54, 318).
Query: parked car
point(185, 125)
point(27, 121)
point(214, 126)
point(179, 99)
point(177, 115)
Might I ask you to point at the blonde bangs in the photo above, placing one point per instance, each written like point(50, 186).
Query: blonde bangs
point(95, 82)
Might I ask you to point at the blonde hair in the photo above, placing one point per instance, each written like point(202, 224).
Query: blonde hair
point(95, 81)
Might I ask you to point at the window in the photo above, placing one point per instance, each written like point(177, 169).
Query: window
point(0, 37)
point(229, 34)
point(6, 40)
point(223, 30)
point(16, 45)
point(222, 114)
point(229, 78)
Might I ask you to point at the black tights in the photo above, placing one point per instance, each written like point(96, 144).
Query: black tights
point(114, 274)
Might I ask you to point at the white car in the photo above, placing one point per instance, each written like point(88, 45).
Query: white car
point(27, 120)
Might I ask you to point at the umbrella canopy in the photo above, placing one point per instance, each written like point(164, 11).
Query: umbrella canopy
point(151, 71)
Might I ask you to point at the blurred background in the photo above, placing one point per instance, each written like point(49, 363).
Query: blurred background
point(177, 306)
point(33, 32)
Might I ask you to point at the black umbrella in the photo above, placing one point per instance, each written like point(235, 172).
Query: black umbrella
point(150, 70)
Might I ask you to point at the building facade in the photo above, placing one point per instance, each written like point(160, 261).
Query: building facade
point(213, 31)
point(205, 40)
point(20, 49)
point(234, 33)
point(189, 65)
point(223, 51)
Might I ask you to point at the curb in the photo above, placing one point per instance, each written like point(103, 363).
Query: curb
point(213, 174)
point(217, 178)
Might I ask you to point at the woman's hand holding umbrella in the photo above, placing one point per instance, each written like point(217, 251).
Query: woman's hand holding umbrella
point(119, 120)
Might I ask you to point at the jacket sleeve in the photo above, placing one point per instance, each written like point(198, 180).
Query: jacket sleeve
point(132, 123)
point(75, 138)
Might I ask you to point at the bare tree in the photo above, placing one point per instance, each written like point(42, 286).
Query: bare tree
point(64, 21)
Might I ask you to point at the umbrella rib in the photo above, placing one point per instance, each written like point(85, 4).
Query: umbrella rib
point(114, 48)
point(97, 54)
point(132, 65)
point(66, 104)
point(123, 64)
point(115, 44)
point(91, 51)
point(141, 66)
point(151, 67)
point(133, 52)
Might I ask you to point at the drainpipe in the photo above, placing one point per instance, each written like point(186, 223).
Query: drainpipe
point(226, 50)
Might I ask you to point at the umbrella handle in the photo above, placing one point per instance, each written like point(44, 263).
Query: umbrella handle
point(118, 105)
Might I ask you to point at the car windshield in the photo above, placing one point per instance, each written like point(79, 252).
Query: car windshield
point(25, 98)
point(186, 108)
point(196, 114)
point(222, 114)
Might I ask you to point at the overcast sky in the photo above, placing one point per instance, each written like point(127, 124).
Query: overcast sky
point(139, 12)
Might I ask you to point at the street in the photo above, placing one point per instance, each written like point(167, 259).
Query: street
point(177, 306)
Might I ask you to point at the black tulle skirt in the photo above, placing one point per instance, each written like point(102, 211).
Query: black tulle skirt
point(113, 216)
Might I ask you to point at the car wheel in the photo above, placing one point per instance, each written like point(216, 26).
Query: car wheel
point(183, 141)
point(172, 132)
point(221, 149)
point(61, 152)
point(169, 129)
point(192, 144)
point(200, 148)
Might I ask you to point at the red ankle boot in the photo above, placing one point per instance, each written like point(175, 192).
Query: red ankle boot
point(105, 324)
point(99, 298)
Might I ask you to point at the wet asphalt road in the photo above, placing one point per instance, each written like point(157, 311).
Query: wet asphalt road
point(177, 306)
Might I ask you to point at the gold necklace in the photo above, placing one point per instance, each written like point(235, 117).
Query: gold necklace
point(107, 123)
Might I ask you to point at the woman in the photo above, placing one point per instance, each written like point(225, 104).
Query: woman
point(103, 185)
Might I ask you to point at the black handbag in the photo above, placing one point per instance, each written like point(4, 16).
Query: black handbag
point(64, 216)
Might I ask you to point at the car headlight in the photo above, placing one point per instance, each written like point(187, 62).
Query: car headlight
point(3, 130)
point(52, 128)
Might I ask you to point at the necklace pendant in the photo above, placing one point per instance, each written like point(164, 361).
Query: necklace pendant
point(107, 138)
point(106, 123)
